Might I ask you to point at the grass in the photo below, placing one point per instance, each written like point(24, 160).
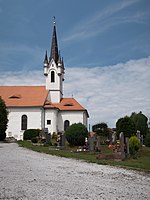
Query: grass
point(141, 162)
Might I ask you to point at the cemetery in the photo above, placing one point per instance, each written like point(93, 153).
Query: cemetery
point(120, 151)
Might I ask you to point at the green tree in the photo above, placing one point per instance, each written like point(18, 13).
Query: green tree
point(147, 140)
point(125, 125)
point(3, 119)
point(101, 129)
point(134, 145)
point(76, 134)
point(140, 121)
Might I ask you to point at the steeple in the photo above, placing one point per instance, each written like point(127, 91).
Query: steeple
point(54, 48)
point(54, 71)
point(45, 64)
point(46, 59)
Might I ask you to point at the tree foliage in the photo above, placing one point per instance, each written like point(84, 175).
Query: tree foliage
point(76, 134)
point(125, 125)
point(31, 133)
point(101, 129)
point(147, 140)
point(3, 119)
point(134, 144)
point(140, 121)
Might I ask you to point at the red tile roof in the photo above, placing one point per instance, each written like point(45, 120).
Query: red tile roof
point(18, 96)
point(31, 96)
point(69, 104)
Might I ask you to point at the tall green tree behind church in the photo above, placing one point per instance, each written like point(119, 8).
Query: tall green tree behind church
point(140, 121)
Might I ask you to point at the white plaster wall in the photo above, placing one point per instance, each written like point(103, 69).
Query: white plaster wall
point(51, 114)
point(85, 119)
point(14, 124)
point(49, 84)
point(55, 96)
point(72, 116)
point(56, 87)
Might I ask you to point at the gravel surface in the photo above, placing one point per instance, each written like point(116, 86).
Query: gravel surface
point(28, 175)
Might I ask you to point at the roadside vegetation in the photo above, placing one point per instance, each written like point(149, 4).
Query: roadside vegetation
point(139, 162)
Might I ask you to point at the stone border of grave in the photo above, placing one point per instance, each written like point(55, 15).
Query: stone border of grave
point(120, 149)
point(10, 140)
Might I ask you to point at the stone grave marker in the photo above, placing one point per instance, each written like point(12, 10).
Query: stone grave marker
point(62, 141)
point(141, 140)
point(114, 137)
point(91, 143)
point(138, 136)
point(127, 146)
point(121, 136)
point(98, 143)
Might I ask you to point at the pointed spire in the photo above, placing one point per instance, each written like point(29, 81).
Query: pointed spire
point(59, 58)
point(46, 58)
point(54, 47)
point(62, 61)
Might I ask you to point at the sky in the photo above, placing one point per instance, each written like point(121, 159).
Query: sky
point(105, 46)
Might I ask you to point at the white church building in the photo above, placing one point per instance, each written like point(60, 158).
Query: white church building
point(38, 107)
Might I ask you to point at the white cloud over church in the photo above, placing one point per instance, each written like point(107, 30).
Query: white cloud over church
point(108, 92)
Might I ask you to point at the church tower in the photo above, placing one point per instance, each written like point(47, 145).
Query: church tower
point(54, 71)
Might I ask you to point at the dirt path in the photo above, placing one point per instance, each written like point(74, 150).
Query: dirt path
point(28, 175)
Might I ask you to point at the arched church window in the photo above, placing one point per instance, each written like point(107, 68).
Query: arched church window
point(24, 122)
point(52, 76)
point(66, 124)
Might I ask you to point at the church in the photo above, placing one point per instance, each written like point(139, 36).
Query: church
point(38, 107)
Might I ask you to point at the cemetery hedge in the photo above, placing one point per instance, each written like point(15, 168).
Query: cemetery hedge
point(31, 133)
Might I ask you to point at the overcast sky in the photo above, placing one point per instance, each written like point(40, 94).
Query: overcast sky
point(105, 45)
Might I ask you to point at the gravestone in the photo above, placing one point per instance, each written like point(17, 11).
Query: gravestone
point(141, 140)
point(138, 136)
point(91, 143)
point(62, 141)
point(98, 143)
point(127, 146)
point(121, 137)
point(48, 138)
point(45, 135)
point(114, 137)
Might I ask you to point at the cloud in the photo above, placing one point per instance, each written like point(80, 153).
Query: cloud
point(106, 19)
point(108, 92)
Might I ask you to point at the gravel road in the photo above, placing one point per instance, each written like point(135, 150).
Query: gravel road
point(28, 175)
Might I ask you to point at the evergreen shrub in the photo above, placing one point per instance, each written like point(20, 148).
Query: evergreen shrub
point(76, 134)
point(2, 136)
point(31, 133)
point(147, 140)
point(134, 145)
point(34, 140)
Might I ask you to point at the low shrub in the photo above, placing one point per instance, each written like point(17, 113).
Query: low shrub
point(134, 145)
point(147, 140)
point(2, 136)
point(76, 134)
point(34, 140)
point(31, 133)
